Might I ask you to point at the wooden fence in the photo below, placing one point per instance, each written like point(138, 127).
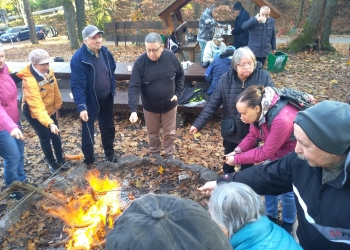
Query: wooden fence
point(129, 31)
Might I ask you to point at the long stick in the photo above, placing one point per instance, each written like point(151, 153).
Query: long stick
point(30, 188)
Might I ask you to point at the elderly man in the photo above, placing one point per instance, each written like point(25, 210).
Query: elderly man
point(262, 35)
point(158, 76)
point(318, 173)
point(93, 88)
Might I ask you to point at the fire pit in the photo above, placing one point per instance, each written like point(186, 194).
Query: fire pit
point(94, 199)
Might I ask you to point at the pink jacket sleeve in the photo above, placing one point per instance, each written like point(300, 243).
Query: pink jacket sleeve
point(277, 139)
point(6, 121)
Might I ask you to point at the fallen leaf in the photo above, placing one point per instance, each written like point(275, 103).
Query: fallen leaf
point(160, 170)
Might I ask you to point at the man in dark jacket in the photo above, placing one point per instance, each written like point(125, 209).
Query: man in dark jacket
point(240, 36)
point(262, 35)
point(318, 173)
point(158, 76)
point(93, 87)
point(245, 72)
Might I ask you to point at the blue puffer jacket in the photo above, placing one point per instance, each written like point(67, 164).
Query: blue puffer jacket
point(240, 36)
point(263, 234)
point(82, 79)
point(216, 69)
point(262, 36)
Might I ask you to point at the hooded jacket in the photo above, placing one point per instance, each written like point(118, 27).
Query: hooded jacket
point(42, 95)
point(9, 115)
point(262, 36)
point(157, 81)
point(277, 139)
point(217, 68)
point(241, 36)
point(263, 234)
point(322, 209)
point(207, 26)
point(225, 93)
point(82, 80)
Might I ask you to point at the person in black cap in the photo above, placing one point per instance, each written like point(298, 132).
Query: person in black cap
point(93, 87)
point(318, 173)
point(164, 222)
point(241, 36)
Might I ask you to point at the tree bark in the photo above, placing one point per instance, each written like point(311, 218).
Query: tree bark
point(331, 7)
point(31, 24)
point(296, 25)
point(69, 16)
point(81, 18)
point(311, 27)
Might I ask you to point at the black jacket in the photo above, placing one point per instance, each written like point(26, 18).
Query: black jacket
point(157, 81)
point(225, 93)
point(323, 210)
point(241, 36)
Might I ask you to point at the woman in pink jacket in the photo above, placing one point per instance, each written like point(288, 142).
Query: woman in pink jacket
point(277, 137)
point(11, 138)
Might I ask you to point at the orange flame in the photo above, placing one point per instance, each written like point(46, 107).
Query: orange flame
point(93, 213)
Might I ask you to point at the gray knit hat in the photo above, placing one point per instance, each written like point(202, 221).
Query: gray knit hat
point(327, 124)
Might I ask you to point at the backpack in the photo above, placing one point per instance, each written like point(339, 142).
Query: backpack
point(191, 95)
point(173, 44)
point(300, 100)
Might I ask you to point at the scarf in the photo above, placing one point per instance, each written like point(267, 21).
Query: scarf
point(266, 104)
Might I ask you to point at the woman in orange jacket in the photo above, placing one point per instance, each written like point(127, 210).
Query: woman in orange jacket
point(40, 104)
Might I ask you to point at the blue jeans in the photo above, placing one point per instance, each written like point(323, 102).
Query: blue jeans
point(202, 46)
point(12, 150)
point(106, 125)
point(288, 206)
point(46, 137)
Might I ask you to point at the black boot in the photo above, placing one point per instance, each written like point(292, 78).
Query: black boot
point(288, 227)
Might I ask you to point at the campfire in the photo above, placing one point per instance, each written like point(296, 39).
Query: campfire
point(90, 216)
point(76, 209)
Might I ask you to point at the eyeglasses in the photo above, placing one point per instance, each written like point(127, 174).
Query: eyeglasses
point(149, 51)
point(249, 65)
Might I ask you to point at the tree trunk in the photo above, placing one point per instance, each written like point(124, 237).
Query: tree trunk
point(31, 24)
point(296, 25)
point(81, 18)
point(69, 16)
point(311, 27)
point(331, 8)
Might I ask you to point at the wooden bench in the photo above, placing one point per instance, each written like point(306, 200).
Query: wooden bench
point(194, 72)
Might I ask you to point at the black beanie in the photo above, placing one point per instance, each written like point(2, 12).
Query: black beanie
point(237, 6)
point(327, 124)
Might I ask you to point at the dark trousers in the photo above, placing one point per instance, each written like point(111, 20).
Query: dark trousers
point(45, 136)
point(261, 59)
point(230, 147)
point(106, 125)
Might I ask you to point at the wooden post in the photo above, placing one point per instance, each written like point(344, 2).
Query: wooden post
point(115, 32)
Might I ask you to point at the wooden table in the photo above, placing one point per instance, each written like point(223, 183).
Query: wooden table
point(194, 72)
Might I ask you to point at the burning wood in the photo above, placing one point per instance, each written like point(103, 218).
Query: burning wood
point(91, 215)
